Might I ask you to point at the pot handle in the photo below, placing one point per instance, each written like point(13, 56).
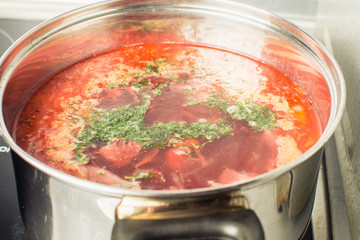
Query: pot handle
point(196, 220)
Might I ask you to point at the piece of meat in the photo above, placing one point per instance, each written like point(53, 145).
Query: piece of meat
point(171, 106)
point(177, 159)
point(229, 176)
point(104, 176)
point(249, 151)
point(120, 153)
point(113, 98)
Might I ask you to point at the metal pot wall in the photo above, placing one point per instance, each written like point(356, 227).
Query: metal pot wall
point(275, 205)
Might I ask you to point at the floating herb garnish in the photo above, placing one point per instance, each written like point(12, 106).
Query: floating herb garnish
point(140, 175)
point(258, 117)
point(127, 122)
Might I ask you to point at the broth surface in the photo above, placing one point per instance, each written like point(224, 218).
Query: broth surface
point(168, 116)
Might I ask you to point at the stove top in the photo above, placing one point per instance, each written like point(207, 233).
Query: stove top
point(11, 226)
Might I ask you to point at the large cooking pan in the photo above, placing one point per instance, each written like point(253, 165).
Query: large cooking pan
point(274, 205)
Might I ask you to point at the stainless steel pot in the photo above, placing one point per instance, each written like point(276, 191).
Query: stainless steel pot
point(275, 205)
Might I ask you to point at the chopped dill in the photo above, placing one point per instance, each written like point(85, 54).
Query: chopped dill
point(127, 122)
point(258, 117)
point(139, 175)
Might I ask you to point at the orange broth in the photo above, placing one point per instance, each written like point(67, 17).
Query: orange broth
point(168, 116)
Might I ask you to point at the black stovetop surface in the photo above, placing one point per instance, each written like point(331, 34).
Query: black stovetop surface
point(11, 226)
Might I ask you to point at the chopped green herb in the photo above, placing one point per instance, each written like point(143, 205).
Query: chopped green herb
point(80, 156)
point(258, 117)
point(152, 68)
point(139, 175)
point(189, 91)
point(127, 122)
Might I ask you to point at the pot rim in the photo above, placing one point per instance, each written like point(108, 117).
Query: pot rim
point(334, 119)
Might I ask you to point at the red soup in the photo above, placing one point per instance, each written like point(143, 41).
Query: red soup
point(168, 116)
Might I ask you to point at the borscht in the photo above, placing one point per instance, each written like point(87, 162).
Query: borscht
point(167, 116)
